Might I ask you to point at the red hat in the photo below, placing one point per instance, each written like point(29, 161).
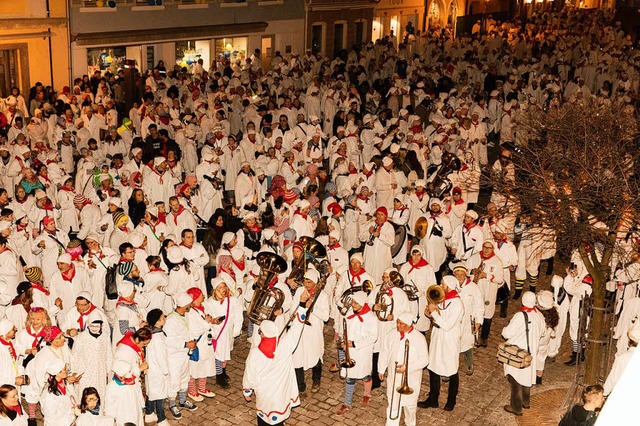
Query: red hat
point(456, 190)
point(334, 208)
point(382, 209)
point(50, 333)
point(298, 245)
point(194, 292)
point(47, 220)
point(289, 195)
point(182, 188)
point(588, 280)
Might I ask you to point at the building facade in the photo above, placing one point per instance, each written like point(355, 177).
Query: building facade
point(181, 31)
point(34, 44)
point(334, 25)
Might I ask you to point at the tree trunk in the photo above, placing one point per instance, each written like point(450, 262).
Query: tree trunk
point(595, 334)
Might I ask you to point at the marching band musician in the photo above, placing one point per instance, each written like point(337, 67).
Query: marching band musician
point(362, 332)
point(467, 238)
point(399, 304)
point(310, 350)
point(508, 254)
point(400, 217)
point(488, 274)
point(420, 274)
point(444, 348)
point(391, 361)
point(473, 303)
point(379, 236)
point(269, 369)
point(353, 277)
point(438, 231)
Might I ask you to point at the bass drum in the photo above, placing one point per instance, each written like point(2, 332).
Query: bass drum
point(400, 239)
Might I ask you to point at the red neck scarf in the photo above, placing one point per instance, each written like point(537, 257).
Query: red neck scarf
point(16, 408)
point(404, 334)
point(198, 308)
point(34, 335)
point(501, 242)
point(460, 201)
point(268, 346)
point(122, 300)
point(335, 246)
point(488, 257)
point(298, 212)
point(40, 288)
point(467, 228)
point(12, 350)
point(83, 315)
point(62, 387)
point(422, 262)
point(451, 294)
point(435, 215)
point(525, 309)
point(69, 274)
point(128, 341)
point(156, 270)
point(175, 215)
point(356, 276)
point(363, 311)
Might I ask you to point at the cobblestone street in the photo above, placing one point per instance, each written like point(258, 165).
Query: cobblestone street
point(480, 399)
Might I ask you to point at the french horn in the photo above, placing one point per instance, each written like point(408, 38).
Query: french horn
point(344, 304)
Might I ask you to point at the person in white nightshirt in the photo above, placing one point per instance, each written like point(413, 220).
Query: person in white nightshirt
point(269, 371)
point(391, 362)
point(200, 330)
point(57, 402)
point(226, 311)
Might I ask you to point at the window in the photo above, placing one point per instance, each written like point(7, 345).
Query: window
point(360, 33)
point(339, 32)
point(317, 38)
point(231, 48)
point(8, 71)
point(103, 58)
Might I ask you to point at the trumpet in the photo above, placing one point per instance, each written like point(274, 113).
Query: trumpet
point(404, 388)
point(345, 300)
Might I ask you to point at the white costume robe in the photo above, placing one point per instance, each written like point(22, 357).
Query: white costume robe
point(435, 245)
point(124, 402)
point(515, 333)
point(273, 379)
point(362, 330)
point(157, 376)
point(473, 302)
point(393, 353)
point(444, 347)
point(310, 349)
point(466, 241)
point(422, 276)
point(377, 257)
point(58, 410)
point(200, 331)
point(92, 356)
point(224, 333)
point(177, 331)
point(488, 285)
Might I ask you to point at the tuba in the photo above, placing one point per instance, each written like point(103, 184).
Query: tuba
point(435, 294)
point(265, 300)
point(438, 183)
point(345, 300)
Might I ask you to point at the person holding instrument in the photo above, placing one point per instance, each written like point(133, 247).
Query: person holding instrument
point(362, 332)
point(446, 314)
point(394, 361)
point(269, 369)
point(310, 350)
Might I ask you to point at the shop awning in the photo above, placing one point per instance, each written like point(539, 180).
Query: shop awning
point(162, 35)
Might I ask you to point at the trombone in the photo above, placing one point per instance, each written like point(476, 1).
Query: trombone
point(348, 362)
point(404, 388)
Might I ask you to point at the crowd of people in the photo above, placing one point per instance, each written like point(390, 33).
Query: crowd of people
point(137, 245)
